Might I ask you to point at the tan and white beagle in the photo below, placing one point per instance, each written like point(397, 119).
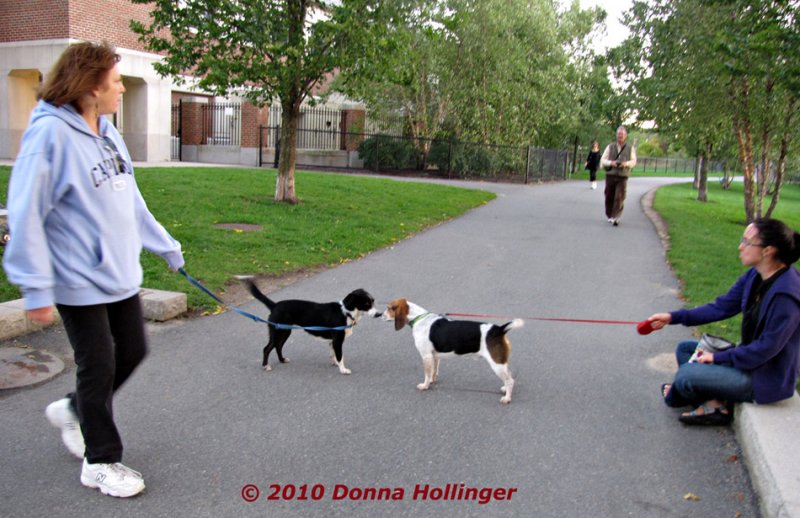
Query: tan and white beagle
point(435, 336)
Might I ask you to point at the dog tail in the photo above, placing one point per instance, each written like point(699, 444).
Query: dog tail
point(260, 296)
point(514, 324)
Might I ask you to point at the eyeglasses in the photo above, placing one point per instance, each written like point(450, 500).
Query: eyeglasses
point(746, 242)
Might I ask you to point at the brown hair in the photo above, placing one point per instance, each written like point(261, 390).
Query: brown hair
point(78, 71)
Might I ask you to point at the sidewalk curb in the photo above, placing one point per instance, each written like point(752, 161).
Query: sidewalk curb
point(768, 437)
point(157, 305)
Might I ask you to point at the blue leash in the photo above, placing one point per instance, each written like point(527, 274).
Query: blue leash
point(251, 316)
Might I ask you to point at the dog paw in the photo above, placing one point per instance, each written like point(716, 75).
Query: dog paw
point(423, 386)
point(267, 367)
point(345, 371)
point(505, 400)
point(285, 360)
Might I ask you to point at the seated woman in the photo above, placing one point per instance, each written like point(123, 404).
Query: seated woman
point(764, 367)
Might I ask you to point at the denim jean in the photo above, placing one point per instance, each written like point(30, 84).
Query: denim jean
point(696, 383)
point(109, 343)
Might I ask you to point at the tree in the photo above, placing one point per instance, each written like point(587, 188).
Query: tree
point(415, 84)
point(678, 83)
point(710, 69)
point(514, 77)
point(265, 50)
point(760, 44)
point(491, 71)
point(602, 109)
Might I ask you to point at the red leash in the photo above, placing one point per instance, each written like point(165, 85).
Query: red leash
point(643, 327)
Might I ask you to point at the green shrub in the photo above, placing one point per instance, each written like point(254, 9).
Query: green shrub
point(463, 159)
point(386, 152)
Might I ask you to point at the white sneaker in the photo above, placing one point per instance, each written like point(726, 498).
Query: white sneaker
point(594, 185)
point(61, 416)
point(112, 479)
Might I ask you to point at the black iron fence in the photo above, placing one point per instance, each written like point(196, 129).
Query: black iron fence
point(659, 166)
point(395, 154)
point(222, 124)
point(667, 166)
point(326, 128)
point(175, 133)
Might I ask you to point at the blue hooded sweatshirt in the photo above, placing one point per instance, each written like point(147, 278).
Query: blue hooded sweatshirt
point(773, 357)
point(77, 220)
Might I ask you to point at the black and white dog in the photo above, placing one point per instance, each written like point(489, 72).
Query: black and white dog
point(331, 321)
point(435, 336)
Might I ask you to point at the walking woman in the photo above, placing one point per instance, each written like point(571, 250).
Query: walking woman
point(78, 224)
point(593, 163)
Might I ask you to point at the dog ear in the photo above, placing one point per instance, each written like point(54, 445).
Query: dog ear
point(399, 322)
point(400, 314)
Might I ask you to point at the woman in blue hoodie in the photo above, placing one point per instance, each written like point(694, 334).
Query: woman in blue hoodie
point(78, 224)
point(764, 367)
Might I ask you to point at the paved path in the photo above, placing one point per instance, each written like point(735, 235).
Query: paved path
point(586, 434)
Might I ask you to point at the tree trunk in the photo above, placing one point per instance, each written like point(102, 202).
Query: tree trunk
point(766, 134)
point(284, 188)
point(702, 184)
point(744, 138)
point(574, 156)
point(726, 175)
point(785, 141)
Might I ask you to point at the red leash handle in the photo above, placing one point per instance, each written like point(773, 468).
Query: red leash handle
point(644, 327)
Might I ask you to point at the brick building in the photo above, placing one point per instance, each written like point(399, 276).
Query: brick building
point(33, 33)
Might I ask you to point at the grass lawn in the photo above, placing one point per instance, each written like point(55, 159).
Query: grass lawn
point(340, 218)
point(704, 240)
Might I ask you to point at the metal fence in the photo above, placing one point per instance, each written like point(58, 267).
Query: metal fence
point(319, 128)
point(325, 128)
point(395, 154)
point(658, 166)
point(175, 133)
point(381, 146)
point(222, 124)
point(667, 166)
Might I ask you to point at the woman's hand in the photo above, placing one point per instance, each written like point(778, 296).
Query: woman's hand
point(43, 315)
point(659, 320)
point(704, 357)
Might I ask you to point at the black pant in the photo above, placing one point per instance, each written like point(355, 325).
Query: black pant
point(109, 342)
point(615, 194)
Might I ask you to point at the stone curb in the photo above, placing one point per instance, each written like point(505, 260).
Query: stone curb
point(768, 436)
point(157, 305)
